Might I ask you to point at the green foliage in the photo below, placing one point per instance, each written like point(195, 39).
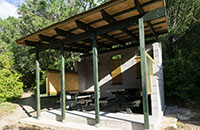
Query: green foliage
point(10, 84)
point(181, 51)
point(182, 72)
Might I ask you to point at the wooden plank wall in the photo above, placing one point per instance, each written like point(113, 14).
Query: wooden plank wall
point(53, 82)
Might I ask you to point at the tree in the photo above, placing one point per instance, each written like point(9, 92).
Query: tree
point(182, 15)
point(181, 51)
point(10, 83)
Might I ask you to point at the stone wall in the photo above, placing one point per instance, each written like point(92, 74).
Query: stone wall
point(157, 96)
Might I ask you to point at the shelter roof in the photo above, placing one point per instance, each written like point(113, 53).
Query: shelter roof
point(115, 22)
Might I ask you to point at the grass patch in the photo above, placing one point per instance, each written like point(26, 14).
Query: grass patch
point(7, 108)
point(180, 126)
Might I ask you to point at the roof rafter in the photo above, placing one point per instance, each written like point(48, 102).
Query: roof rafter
point(32, 43)
point(46, 38)
point(67, 34)
point(87, 27)
point(53, 39)
point(141, 11)
point(107, 17)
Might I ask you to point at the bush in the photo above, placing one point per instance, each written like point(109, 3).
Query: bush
point(182, 72)
point(10, 84)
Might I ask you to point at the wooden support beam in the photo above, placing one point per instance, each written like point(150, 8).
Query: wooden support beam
point(95, 77)
point(62, 69)
point(31, 43)
point(155, 14)
point(52, 45)
point(91, 29)
point(107, 17)
point(144, 27)
point(141, 11)
point(37, 67)
point(75, 50)
point(46, 38)
point(143, 74)
point(120, 48)
point(67, 34)
point(63, 33)
point(54, 40)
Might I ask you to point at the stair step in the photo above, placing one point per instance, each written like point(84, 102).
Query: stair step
point(62, 126)
point(89, 119)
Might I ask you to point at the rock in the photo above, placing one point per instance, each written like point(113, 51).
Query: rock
point(184, 115)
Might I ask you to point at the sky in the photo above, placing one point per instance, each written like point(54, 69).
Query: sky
point(9, 8)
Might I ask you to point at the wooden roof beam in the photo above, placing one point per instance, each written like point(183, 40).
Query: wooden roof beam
point(141, 11)
point(107, 17)
point(46, 38)
point(53, 39)
point(75, 50)
point(31, 43)
point(91, 29)
point(63, 32)
point(67, 34)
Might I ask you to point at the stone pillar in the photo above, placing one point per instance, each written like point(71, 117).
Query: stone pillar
point(157, 96)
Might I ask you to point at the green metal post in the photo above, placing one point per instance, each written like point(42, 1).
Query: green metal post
point(38, 84)
point(143, 73)
point(95, 77)
point(62, 69)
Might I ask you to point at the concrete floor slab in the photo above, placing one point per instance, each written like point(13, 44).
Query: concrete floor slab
point(76, 120)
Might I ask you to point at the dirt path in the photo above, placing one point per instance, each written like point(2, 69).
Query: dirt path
point(25, 108)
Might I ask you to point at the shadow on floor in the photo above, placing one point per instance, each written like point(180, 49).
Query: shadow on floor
point(30, 102)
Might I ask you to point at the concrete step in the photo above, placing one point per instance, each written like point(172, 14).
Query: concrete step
point(45, 123)
point(114, 120)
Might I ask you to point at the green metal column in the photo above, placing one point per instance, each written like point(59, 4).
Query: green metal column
point(62, 69)
point(37, 67)
point(95, 77)
point(143, 73)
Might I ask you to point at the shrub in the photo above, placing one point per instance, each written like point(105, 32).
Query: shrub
point(182, 71)
point(10, 84)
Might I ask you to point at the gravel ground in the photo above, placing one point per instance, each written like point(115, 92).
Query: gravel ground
point(188, 119)
point(25, 108)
